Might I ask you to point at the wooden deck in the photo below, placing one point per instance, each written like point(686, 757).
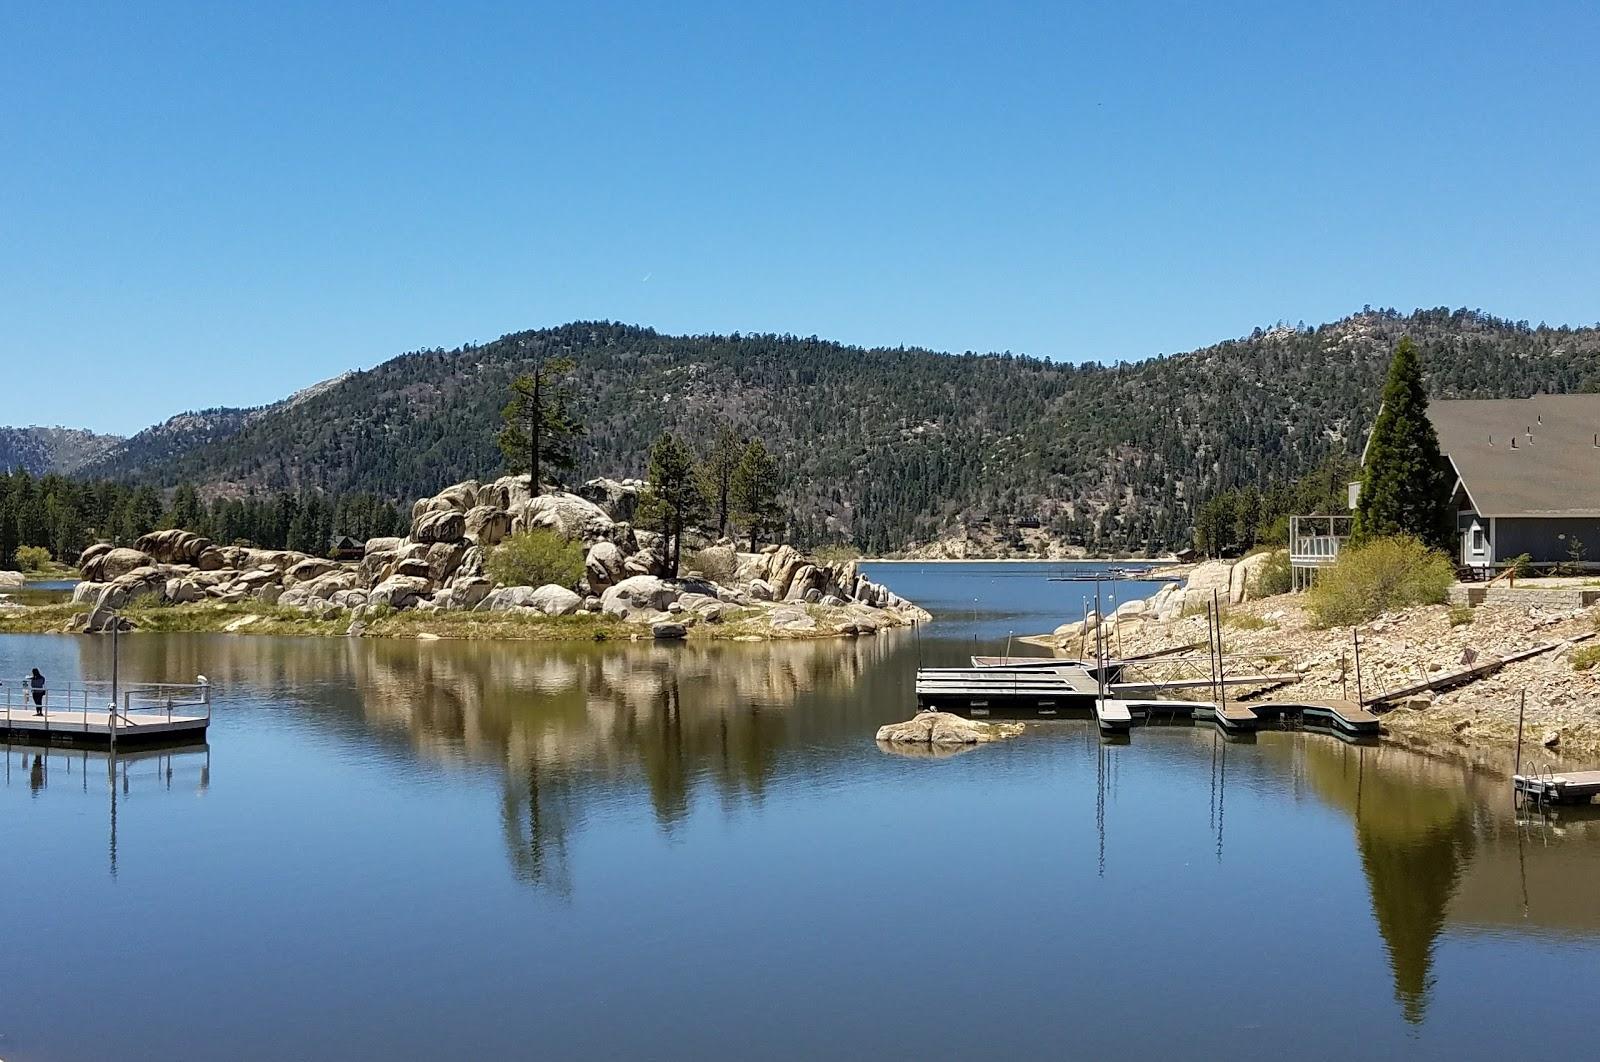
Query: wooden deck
point(1562, 787)
point(93, 728)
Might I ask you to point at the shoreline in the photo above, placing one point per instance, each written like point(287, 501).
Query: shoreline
point(1166, 563)
point(263, 619)
point(1542, 635)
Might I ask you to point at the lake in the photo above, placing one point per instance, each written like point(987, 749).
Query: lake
point(399, 850)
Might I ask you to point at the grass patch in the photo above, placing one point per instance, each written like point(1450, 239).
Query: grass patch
point(501, 626)
point(1461, 615)
point(1247, 621)
point(1585, 657)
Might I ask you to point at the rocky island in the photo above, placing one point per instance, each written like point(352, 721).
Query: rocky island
point(436, 582)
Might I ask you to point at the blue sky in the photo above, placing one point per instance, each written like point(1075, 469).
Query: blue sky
point(203, 206)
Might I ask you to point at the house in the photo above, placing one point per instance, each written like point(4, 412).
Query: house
point(343, 547)
point(1526, 476)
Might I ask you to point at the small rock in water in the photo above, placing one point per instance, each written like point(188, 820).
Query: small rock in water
point(943, 728)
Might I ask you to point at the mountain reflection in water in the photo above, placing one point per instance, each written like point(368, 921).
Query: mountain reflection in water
point(1388, 869)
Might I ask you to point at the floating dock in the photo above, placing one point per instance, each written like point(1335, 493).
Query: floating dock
point(1565, 787)
point(1065, 689)
point(89, 715)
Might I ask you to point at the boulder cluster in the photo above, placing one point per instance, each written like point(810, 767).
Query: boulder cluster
point(1226, 582)
point(440, 566)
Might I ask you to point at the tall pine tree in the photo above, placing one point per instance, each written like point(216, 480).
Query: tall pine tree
point(1404, 487)
point(753, 491)
point(674, 498)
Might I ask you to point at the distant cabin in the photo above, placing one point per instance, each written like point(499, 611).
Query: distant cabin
point(1527, 476)
point(343, 547)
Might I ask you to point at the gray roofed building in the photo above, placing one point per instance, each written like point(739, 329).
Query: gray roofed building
point(1527, 477)
point(1535, 456)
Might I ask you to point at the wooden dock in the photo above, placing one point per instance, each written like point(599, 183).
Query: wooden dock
point(1565, 787)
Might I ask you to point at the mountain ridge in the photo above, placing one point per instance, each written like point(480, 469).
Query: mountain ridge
point(880, 446)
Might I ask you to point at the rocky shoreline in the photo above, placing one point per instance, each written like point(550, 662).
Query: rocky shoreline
point(438, 570)
point(1399, 649)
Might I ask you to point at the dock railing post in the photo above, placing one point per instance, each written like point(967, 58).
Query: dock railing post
point(1355, 638)
point(1522, 707)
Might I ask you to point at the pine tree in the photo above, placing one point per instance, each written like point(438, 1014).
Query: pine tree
point(8, 533)
point(753, 491)
point(1404, 487)
point(716, 475)
point(186, 512)
point(674, 497)
point(539, 426)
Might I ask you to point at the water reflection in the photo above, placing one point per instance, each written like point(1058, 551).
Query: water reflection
point(1414, 826)
point(188, 767)
point(568, 731)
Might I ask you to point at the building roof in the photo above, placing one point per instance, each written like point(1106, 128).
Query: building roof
point(1552, 470)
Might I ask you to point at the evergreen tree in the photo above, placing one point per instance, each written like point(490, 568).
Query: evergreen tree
point(674, 498)
point(753, 491)
point(716, 476)
point(539, 427)
point(1404, 487)
point(8, 534)
point(186, 512)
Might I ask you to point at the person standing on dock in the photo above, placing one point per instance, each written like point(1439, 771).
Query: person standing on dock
point(36, 683)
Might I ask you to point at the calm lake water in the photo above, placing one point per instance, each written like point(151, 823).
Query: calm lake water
point(398, 850)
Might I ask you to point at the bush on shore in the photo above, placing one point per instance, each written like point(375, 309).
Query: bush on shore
point(535, 558)
point(1378, 576)
point(32, 558)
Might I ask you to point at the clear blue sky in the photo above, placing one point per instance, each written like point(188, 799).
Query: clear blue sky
point(217, 204)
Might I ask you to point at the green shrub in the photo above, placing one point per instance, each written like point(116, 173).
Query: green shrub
point(534, 558)
point(32, 558)
point(836, 554)
point(1377, 576)
point(1584, 658)
point(1460, 615)
point(1273, 577)
point(1521, 565)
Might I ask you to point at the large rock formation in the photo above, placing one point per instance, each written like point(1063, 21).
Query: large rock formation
point(440, 565)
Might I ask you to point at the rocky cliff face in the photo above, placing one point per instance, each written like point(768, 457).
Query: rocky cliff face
point(439, 566)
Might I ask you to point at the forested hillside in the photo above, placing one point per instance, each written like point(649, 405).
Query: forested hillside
point(41, 450)
point(880, 447)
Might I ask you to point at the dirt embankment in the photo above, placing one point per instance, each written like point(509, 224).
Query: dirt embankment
point(1408, 647)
